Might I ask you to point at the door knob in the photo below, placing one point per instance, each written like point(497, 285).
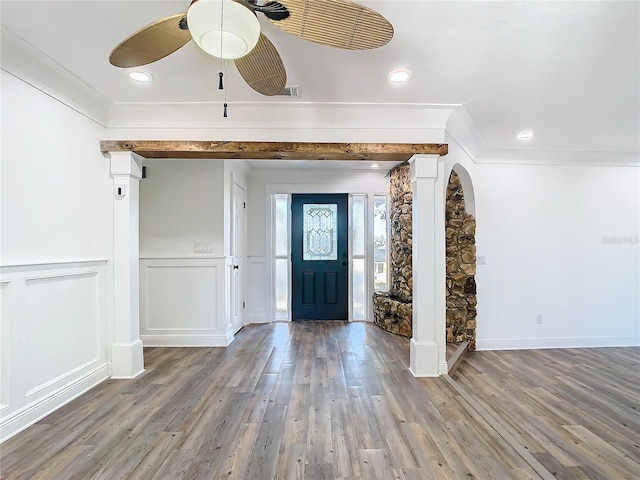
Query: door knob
point(344, 264)
point(235, 267)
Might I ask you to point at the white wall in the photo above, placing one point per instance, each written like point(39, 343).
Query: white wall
point(56, 248)
point(48, 213)
point(181, 204)
point(544, 231)
point(183, 291)
point(262, 184)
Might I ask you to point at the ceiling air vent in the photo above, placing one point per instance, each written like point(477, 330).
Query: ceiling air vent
point(290, 91)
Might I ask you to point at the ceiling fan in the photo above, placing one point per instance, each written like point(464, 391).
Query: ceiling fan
point(229, 29)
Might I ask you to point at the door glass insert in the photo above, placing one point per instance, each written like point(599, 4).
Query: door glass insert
point(320, 234)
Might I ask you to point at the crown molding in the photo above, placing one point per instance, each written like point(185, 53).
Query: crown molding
point(465, 132)
point(25, 62)
point(558, 157)
point(278, 115)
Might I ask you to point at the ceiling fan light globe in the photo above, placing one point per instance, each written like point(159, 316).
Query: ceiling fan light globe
point(233, 46)
point(223, 28)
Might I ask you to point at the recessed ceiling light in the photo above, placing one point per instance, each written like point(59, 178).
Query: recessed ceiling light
point(399, 76)
point(140, 76)
point(525, 135)
point(375, 165)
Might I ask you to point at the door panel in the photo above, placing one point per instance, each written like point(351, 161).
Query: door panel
point(238, 254)
point(319, 257)
point(331, 294)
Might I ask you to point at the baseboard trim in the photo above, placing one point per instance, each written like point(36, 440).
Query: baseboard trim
point(14, 423)
point(543, 343)
point(186, 340)
point(259, 318)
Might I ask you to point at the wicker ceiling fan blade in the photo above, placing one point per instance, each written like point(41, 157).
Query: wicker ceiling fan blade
point(336, 23)
point(153, 42)
point(262, 68)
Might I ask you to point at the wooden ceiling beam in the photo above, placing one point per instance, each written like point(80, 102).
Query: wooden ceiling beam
point(273, 150)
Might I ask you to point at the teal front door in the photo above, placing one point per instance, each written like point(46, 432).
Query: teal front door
point(319, 257)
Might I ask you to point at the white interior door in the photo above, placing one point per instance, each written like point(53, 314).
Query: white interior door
point(238, 254)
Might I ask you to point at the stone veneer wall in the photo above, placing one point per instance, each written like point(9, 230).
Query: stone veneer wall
point(393, 310)
point(460, 228)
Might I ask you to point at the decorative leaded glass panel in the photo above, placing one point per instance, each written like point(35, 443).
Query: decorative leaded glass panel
point(320, 235)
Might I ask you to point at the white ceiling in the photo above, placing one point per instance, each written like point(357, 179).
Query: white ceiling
point(569, 71)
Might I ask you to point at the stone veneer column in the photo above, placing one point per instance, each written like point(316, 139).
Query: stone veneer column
point(428, 345)
point(461, 266)
point(127, 359)
point(401, 241)
point(392, 310)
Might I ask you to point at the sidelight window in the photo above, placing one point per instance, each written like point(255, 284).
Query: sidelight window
point(380, 252)
point(359, 255)
point(281, 255)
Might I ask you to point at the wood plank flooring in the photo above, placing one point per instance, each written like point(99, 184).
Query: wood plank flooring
point(576, 410)
point(330, 400)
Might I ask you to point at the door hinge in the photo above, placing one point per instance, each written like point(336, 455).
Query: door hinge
point(244, 204)
point(244, 305)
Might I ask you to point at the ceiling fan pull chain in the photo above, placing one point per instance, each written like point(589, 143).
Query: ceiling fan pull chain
point(220, 85)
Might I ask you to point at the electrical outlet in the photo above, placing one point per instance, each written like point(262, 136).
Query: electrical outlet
point(539, 319)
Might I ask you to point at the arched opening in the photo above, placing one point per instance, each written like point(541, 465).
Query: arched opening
point(460, 229)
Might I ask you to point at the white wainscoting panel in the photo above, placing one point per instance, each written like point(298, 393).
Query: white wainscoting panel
point(58, 307)
point(182, 302)
point(258, 304)
point(53, 338)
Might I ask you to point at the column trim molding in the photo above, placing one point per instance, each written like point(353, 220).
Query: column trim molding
point(422, 169)
point(126, 164)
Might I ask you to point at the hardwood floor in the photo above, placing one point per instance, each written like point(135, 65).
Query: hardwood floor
point(576, 410)
point(333, 400)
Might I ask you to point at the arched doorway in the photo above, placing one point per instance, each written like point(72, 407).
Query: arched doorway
point(460, 229)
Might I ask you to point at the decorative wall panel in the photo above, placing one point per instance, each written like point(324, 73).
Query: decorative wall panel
point(53, 337)
point(182, 302)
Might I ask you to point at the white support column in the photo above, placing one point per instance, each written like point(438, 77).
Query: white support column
point(428, 345)
point(126, 352)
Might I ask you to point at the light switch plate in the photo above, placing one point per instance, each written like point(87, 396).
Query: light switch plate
point(202, 248)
